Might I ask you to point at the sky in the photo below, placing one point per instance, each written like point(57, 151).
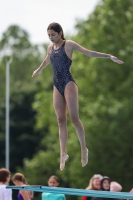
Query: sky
point(34, 16)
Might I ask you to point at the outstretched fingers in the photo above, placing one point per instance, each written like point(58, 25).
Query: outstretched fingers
point(115, 59)
point(35, 73)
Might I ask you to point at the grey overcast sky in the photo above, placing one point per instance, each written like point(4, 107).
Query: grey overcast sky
point(35, 15)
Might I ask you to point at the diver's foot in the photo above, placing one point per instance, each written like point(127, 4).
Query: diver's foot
point(63, 159)
point(84, 160)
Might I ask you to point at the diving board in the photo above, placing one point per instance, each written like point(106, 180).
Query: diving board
point(75, 192)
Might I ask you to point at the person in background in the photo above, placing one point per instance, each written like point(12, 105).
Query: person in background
point(131, 191)
point(53, 181)
point(105, 186)
point(19, 180)
point(5, 194)
point(115, 187)
point(105, 183)
point(94, 184)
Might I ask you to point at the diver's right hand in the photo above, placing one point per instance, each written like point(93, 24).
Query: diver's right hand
point(36, 72)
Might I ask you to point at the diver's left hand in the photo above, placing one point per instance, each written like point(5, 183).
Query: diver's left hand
point(115, 59)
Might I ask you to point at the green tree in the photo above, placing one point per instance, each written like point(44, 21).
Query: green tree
point(24, 139)
point(109, 87)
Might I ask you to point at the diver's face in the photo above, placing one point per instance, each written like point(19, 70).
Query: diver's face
point(54, 36)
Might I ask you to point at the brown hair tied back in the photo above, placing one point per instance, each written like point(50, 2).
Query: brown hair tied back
point(57, 28)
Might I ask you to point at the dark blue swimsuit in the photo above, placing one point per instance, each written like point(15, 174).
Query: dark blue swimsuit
point(61, 68)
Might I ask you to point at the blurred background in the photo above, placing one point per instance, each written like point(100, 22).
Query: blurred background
point(28, 125)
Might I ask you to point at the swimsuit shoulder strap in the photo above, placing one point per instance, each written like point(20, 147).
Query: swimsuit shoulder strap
point(53, 47)
point(64, 43)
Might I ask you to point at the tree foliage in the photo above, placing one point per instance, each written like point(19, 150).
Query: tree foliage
point(25, 57)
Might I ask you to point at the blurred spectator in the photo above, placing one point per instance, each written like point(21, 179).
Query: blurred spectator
point(131, 191)
point(5, 194)
point(94, 184)
point(105, 183)
point(19, 180)
point(105, 186)
point(115, 187)
point(53, 181)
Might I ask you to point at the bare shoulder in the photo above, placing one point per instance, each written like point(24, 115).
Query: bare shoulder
point(70, 41)
point(49, 48)
point(23, 192)
point(70, 44)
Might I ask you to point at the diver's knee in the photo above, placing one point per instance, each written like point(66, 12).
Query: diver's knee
point(61, 121)
point(74, 119)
